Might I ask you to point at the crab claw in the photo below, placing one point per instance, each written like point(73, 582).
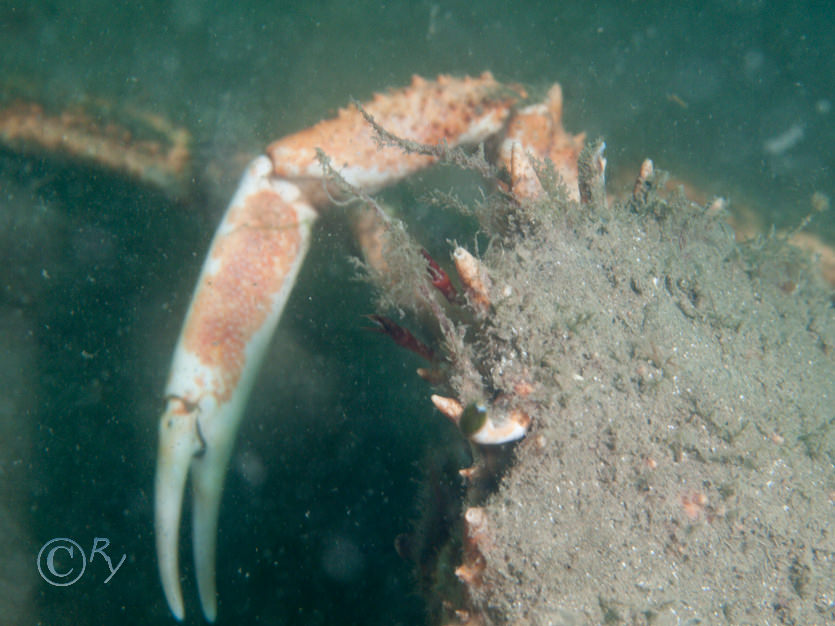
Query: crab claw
point(198, 437)
point(246, 279)
point(179, 442)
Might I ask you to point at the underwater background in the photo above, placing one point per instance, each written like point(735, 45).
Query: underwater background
point(97, 270)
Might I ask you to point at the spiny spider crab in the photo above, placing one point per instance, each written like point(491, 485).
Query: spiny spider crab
point(261, 243)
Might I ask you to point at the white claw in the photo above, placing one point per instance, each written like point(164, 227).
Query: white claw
point(207, 473)
point(236, 306)
point(178, 443)
point(198, 437)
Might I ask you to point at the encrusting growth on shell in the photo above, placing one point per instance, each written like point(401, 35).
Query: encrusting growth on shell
point(524, 183)
point(537, 131)
point(644, 181)
point(592, 174)
point(562, 272)
point(449, 407)
point(475, 544)
point(475, 280)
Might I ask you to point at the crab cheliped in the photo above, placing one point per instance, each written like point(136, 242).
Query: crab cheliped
point(486, 379)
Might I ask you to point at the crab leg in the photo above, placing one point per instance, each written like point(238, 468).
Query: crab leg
point(244, 284)
point(249, 273)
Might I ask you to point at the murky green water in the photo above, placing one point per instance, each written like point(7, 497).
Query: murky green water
point(735, 97)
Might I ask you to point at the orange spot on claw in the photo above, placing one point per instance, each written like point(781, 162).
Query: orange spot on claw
point(234, 302)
